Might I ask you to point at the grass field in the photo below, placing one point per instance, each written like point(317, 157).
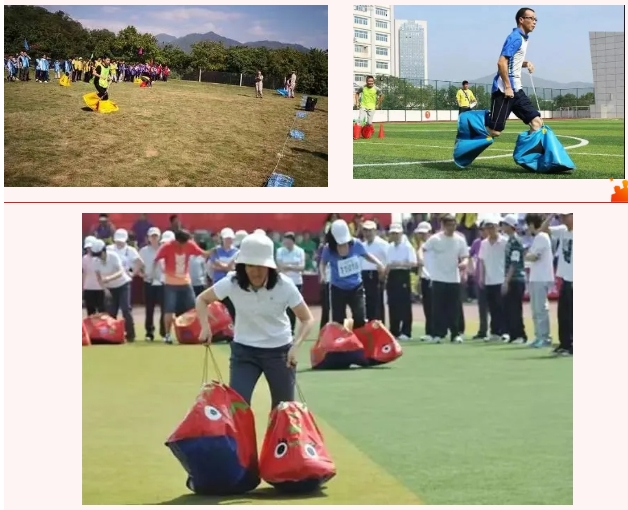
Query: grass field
point(478, 423)
point(173, 134)
point(424, 150)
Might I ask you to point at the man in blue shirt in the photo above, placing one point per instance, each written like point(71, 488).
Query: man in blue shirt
point(222, 261)
point(507, 94)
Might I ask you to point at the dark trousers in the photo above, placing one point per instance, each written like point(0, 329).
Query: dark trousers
point(399, 302)
point(291, 316)
point(446, 309)
point(513, 308)
point(565, 316)
point(103, 93)
point(324, 304)
point(426, 293)
point(495, 308)
point(247, 364)
point(354, 299)
point(374, 296)
point(94, 301)
point(483, 311)
point(154, 296)
point(121, 301)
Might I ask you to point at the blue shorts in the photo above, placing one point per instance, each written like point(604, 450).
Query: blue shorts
point(178, 299)
point(502, 106)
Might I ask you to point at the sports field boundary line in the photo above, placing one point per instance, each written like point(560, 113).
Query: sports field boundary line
point(582, 143)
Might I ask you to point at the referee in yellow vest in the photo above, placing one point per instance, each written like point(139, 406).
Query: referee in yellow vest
point(465, 97)
point(368, 99)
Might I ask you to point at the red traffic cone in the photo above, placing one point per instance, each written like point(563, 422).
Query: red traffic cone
point(381, 131)
point(357, 131)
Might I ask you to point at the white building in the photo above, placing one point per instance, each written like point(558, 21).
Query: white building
point(410, 47)
point(373, 41)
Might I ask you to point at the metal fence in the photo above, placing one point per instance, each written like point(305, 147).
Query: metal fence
point(243, 80)
point(400, 94)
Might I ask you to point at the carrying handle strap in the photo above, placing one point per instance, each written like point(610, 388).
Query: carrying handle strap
point(208, 354)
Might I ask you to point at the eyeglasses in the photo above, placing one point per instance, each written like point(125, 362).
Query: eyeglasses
point(530, 17)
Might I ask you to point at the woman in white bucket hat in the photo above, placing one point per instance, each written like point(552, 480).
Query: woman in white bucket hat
point(262, 341)
point(343, 252)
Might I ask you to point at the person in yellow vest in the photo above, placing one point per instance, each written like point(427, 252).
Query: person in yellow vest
point(102, 78)
point(78, 66)
point(114, 71)
point(368, 99)
point(465, 98)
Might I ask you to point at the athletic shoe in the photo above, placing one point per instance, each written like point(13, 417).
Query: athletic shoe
point(559, 351)
point(547, 343)
point(519, 341)
point(505, 338)
point(537, 344)
point(150, 338)
point(168, 339)
point(403, 337)
point(426, 338)
point(436, 340)
point(458, 339)
point(479, 337)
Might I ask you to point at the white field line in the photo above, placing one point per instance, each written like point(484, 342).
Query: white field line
point(581, 143)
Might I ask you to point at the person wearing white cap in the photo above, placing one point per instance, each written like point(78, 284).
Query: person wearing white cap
point(262, 341)
point(222, 261)
point(128, 254)
point(450, 255)
point(541, 279)
point(116, 281)
point(343, 252)
point(492, 258)
point(239, 236)
point(564, 235)
point(514, 282)
point(373, 284)
point(153, 285)
point(401, 259)
point(178, 291)
point(93, 293)
point(291, 262)
point(424, 263)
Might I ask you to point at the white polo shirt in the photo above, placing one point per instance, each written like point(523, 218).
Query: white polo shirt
point(542, 269)
point(147, 254)
point(91, 282)
point(112, 265)
point(379, 249)
point(402, 252)
point(294, 257)
point(128, 255)
point(427, 263)
point(565, 251)
point(446, 254)
point(262, 320)
point(494, 257)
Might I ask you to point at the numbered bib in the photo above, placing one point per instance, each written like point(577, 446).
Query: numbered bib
point(349, 267)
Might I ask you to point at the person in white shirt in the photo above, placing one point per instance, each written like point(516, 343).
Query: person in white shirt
point(262, 342)
point(492, 259)
point(116, 281)
point(450, 256)
point(153, 286)
point(424, 262)
point(93, 293)
point(541, 279)
point(373, 284)
point(198, 270)
point(291, 262)
point(401, 259)
point(129, 256)
point(564, 235)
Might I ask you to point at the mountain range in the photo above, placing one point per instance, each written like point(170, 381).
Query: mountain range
point(186, 42)
point(540, 83)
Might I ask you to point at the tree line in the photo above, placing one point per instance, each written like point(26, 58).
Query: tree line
point(59, 36)
point(400, 94)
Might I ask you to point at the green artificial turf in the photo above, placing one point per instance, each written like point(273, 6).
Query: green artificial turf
point(423, 150)
point(478, 423)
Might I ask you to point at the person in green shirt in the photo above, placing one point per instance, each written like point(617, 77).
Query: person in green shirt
point(515, 282)
point(102, 78)
point(368, 99)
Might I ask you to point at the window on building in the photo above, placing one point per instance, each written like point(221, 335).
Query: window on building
point(359, 77)
point(381, 37)
point(359, 20)
point(381, 12)
point(381, 24)
point(358, 62)
point(361, 8)
point(358, 48)
point(381, 65)
point(381, 51)
point(360, 34)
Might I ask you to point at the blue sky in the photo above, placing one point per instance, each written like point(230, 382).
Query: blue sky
point(306, 25)
point(463, 42)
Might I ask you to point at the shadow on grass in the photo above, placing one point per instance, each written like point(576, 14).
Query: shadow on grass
point(316, 154)
point(262, 494)
point(352, 369)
